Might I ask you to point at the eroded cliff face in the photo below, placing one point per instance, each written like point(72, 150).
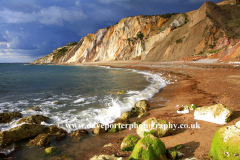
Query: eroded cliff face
point(154, 38)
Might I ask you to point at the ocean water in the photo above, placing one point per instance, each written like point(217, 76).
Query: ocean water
point(73, 97)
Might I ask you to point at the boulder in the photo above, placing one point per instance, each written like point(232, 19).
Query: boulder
point(149, 148)
point(99, 128)
point(35, 119)
point(118, 125)
point(41, 140)
point(126, 115)
point(20, 132)
point(79, 133)
point(8, 117)
point(171, 154)
point(225, 143)
point(121, 92)
point(106, 157)
point(217, 113)
point(156, 127)
point(50, 150)
point(129, 143)
point(142, 115)
point(55, 131)
point(36, 108)
point(140, 107)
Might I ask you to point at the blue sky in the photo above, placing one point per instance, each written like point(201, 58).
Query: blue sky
point(30, 29)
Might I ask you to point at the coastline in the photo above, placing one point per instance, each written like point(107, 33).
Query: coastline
point(198, 83)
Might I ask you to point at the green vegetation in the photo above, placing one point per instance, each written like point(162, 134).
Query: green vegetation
point(216, 51)
point(116, 23)
point(212, 46)
point(72, 44)
point(149, 148)
point(201, 54)
point(151, 132)
point(180, 40)
point(186, 20)
point(129, 39)
point(130, 142)
point(140, 35)
point(61, 52)
point(179, 146)
point(171, 154)
point(167, 15)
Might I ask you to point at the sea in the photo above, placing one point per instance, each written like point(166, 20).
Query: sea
point(74, 97)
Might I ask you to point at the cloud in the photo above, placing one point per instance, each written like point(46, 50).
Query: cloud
point(21, 44)
point(53, 15)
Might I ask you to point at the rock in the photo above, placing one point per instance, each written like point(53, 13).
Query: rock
point(8, 117)
point(19, 133)
point(79, 133)
point(118, 125)
point(60, 137)
point(4, 152)
point(108, 145)
point(171, 154)
point(126, 115)
point(115, 128)
point(121, 121)
point(50, 150)
point(99, 128)
point(149, 148)
point(142, 115)
point(121, 92)
point(179, 146)
point(158, 128)
point(129, 143)
point(186, 109)
point(217, 113)
point(106, 157)
point(55, 131)
point(180, 155)
point(225, 143)
point(36, 108)
point(35, 119)
point(140, 107)
point(41, 140)
point(135, 124)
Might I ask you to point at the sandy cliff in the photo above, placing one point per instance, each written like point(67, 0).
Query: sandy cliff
point(205, 32)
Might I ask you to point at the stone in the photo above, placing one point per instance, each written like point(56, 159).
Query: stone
point(179, 146)
point(55, 131)
point(79, 133)
point(141, 107)
point(156, 127)
point(50, 150)
point(20, 132)
point(108, 145)
point(106, 157)
point(126, 115)
point(225, 143)
point(217, 113)
point(8, 117)
point(36, 108)
point(129, 143)
point(171, 154)
point(35, 119)
point(118, 125)
point(99, 128)
point(149, 148)
point(142, 115)
point(121, 92)
point(41, 140)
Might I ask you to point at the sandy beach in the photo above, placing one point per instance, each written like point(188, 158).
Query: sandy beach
point(200, 83)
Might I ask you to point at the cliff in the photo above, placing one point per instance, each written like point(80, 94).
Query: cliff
point(205, 32)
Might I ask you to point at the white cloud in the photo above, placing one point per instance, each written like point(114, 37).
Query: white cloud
point(77, 3)
point(51, 16)
point(7, 32)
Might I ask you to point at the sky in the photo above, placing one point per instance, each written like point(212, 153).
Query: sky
point(30, 29)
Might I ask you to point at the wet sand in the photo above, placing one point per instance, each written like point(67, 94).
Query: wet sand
point(200, 83)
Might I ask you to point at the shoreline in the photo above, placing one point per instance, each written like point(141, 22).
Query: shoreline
point(203, 84)
point(190, 87)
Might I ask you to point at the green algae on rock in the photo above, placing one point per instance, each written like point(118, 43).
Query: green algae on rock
point(158, 128)
point(171, 154)
point(179, 146)
point(50, 150)
point(129, 143)
point(217, 113)
point(8, 117)
point(20, 132)
point(225, 143)
point(121, 92)
point(99, 128)
point(149, 148)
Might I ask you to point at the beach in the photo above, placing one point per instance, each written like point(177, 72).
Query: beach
point(202, 83)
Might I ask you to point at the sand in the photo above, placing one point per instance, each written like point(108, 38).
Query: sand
point(205, 83)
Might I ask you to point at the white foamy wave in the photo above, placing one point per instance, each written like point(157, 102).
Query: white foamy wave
point(79, 100)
